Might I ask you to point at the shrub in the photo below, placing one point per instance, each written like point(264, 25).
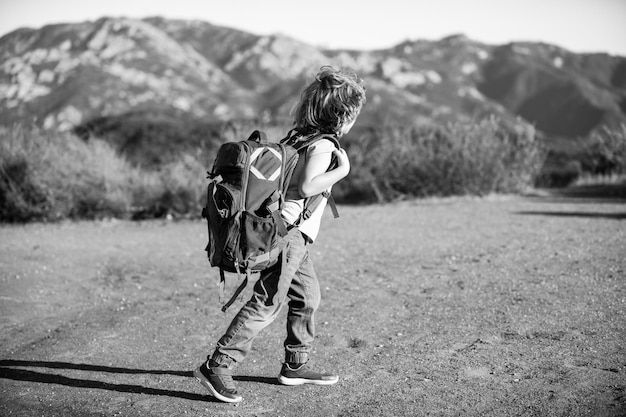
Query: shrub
point(184, 184)
point(21, 198)
point(596, 159)
point(463, 157)
point(49, 176)
point(606, 152)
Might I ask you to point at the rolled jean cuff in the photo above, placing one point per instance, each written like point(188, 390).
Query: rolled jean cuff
point(222, 361)
point(296, 357)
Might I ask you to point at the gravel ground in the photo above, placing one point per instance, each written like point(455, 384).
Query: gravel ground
point(495, 306)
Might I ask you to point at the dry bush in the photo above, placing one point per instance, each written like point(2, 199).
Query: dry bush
point(22, 196)
point(606, 152)
point(463, 157)
point(49, 176)
point(184, 186)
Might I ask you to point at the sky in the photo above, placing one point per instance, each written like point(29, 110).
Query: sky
point(576, 25)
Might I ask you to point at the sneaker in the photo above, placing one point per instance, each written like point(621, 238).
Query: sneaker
point(219, 384)
point(303, 375)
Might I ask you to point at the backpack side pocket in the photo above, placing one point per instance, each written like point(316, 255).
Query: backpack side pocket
point(223, 213)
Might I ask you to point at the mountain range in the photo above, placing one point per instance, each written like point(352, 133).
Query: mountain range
point(64, 75)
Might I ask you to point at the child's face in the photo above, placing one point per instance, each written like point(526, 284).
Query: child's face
point(346, 127)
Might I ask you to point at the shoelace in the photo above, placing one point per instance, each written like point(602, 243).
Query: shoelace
point(227, 381)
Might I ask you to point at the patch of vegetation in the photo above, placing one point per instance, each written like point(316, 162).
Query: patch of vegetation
point(462, 157)
point(47, 176)
point(598, 159)
point(606, 152)
point(152, 138)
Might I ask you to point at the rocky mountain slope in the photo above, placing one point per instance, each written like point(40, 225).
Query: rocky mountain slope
point(60, 76)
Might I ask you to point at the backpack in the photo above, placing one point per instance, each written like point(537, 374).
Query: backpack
point(245, 196)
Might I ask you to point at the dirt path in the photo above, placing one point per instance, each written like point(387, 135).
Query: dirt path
point(502, 306)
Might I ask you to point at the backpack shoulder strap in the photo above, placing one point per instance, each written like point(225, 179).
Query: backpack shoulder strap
point(301, 143)
point(311, 203)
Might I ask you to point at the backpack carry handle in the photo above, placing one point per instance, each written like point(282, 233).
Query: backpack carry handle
point(258, 136)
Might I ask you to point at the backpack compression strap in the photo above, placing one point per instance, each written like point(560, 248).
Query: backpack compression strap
point(238, 291)
point(274, 209)
point(252, 261)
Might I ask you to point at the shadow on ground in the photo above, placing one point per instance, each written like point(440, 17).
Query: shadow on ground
point(608, 194)
point(593, 215)
point(8, 371)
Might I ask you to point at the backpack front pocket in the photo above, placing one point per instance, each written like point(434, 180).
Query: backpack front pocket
point(262, 241)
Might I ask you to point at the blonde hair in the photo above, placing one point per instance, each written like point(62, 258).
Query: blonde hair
point(330, 101)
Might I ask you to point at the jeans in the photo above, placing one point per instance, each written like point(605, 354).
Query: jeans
point(292, 279)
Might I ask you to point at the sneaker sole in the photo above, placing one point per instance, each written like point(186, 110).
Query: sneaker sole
point(301, 381)
point(205, 383)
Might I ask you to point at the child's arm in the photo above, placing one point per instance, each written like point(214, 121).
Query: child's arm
point(316, 179)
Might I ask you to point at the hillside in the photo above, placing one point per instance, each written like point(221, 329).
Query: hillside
point(67, 75)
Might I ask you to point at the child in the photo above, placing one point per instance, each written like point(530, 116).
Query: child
point(330, 105)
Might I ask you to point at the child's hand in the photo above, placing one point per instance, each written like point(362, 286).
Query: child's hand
point(343, 163)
